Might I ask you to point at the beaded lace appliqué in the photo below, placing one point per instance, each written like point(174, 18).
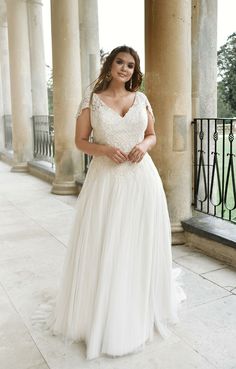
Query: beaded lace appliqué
point(110, 128)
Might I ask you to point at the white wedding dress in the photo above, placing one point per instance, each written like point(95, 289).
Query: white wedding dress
point(118, 283)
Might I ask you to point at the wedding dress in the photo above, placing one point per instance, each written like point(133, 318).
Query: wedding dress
point(118, 286)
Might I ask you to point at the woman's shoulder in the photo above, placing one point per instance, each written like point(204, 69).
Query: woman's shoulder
point(145, 102)
point(142, 97)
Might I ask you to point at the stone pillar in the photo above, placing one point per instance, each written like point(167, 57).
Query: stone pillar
point(168, 86)
point(2, 138)
point(5, 97)
point(66, 91)
point(20, 83)
point(4, 55)
point(204, 74)
point(204, 58)
point(89, 41)
point(37, 58)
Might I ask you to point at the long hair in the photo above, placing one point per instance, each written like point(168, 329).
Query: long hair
point(102, 83)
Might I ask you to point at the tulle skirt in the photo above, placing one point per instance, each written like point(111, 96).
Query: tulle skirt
point(118, 285)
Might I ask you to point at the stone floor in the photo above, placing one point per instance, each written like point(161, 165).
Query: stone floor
point(34, 226)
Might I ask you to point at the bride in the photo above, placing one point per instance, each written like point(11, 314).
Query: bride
point(118, 286)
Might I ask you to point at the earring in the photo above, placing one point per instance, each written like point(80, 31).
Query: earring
point(130, 84)
point(108, 77)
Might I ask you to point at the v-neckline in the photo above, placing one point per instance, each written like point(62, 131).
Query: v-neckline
point(113, 110)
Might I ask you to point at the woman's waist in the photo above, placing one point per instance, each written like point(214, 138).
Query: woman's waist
point(124, 145)
point(103, 163)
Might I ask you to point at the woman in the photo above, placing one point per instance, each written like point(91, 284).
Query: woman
point(118, 283)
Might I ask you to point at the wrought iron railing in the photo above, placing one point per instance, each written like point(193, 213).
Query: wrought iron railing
point(87, 158)
point(43, 138)
point(7, 119)
point(215, 167)
point(86, 161)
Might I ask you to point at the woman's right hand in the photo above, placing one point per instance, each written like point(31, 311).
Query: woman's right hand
point(115, 154)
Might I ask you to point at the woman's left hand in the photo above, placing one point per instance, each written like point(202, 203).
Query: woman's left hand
point(137, 153)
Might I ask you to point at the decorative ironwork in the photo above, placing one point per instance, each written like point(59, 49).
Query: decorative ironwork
point(215, 136)
point(7, 119)
point(43, 138)
point(215, 181)
point(231, 137)
point(87, 158)
point(201, 177)
point(215, 167)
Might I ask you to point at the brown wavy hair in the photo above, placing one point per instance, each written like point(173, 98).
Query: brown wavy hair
point(101, 83)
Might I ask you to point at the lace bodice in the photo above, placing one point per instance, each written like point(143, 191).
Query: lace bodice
point(122, 132)
point(112, 129)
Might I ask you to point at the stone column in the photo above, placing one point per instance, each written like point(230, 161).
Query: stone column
point(204, 58)
point(66, 91)
point(2, 138)
point(5, 94)
point(168, 86)
point(89, 41)
point(4, 54)
point(20, 83)
point(37, 58)
point(204, 74)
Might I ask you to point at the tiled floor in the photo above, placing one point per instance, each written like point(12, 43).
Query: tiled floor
point(34, 226)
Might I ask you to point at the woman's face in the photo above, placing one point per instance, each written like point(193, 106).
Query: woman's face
point(122, 67)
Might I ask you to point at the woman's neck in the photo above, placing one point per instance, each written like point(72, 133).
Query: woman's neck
point(117, 89)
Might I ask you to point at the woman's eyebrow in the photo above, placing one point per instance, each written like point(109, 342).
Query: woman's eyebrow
point(124, 61)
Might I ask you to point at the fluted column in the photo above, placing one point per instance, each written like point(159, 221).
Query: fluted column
point(37, 58)
point(204, 58)
point(89, 41)
point(20, 83)
point(66, 91)
point(168, 85)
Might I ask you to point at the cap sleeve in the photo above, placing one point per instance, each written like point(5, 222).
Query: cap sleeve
point(85, 102)
point(149, 108)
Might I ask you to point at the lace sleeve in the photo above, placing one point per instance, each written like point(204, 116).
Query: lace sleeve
point(85, 102)
point(149, 108)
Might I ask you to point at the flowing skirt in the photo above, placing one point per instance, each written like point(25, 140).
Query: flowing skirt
point(118, 285)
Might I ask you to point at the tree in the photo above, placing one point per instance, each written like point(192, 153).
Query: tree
point(227, 72)
point(103, 55)
point(50, 92)
point(223, 108)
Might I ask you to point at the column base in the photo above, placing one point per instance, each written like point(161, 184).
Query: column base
point(178, 236)
point(65, 188)
point(20, 167)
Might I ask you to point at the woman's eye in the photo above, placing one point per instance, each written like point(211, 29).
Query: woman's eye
point(119, 61)
point(131, 66)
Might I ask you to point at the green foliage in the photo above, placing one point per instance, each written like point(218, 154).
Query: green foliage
point(103, 55)
point(142, 86)
point(227, 72)
point(223, 108)
point(50, 93)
